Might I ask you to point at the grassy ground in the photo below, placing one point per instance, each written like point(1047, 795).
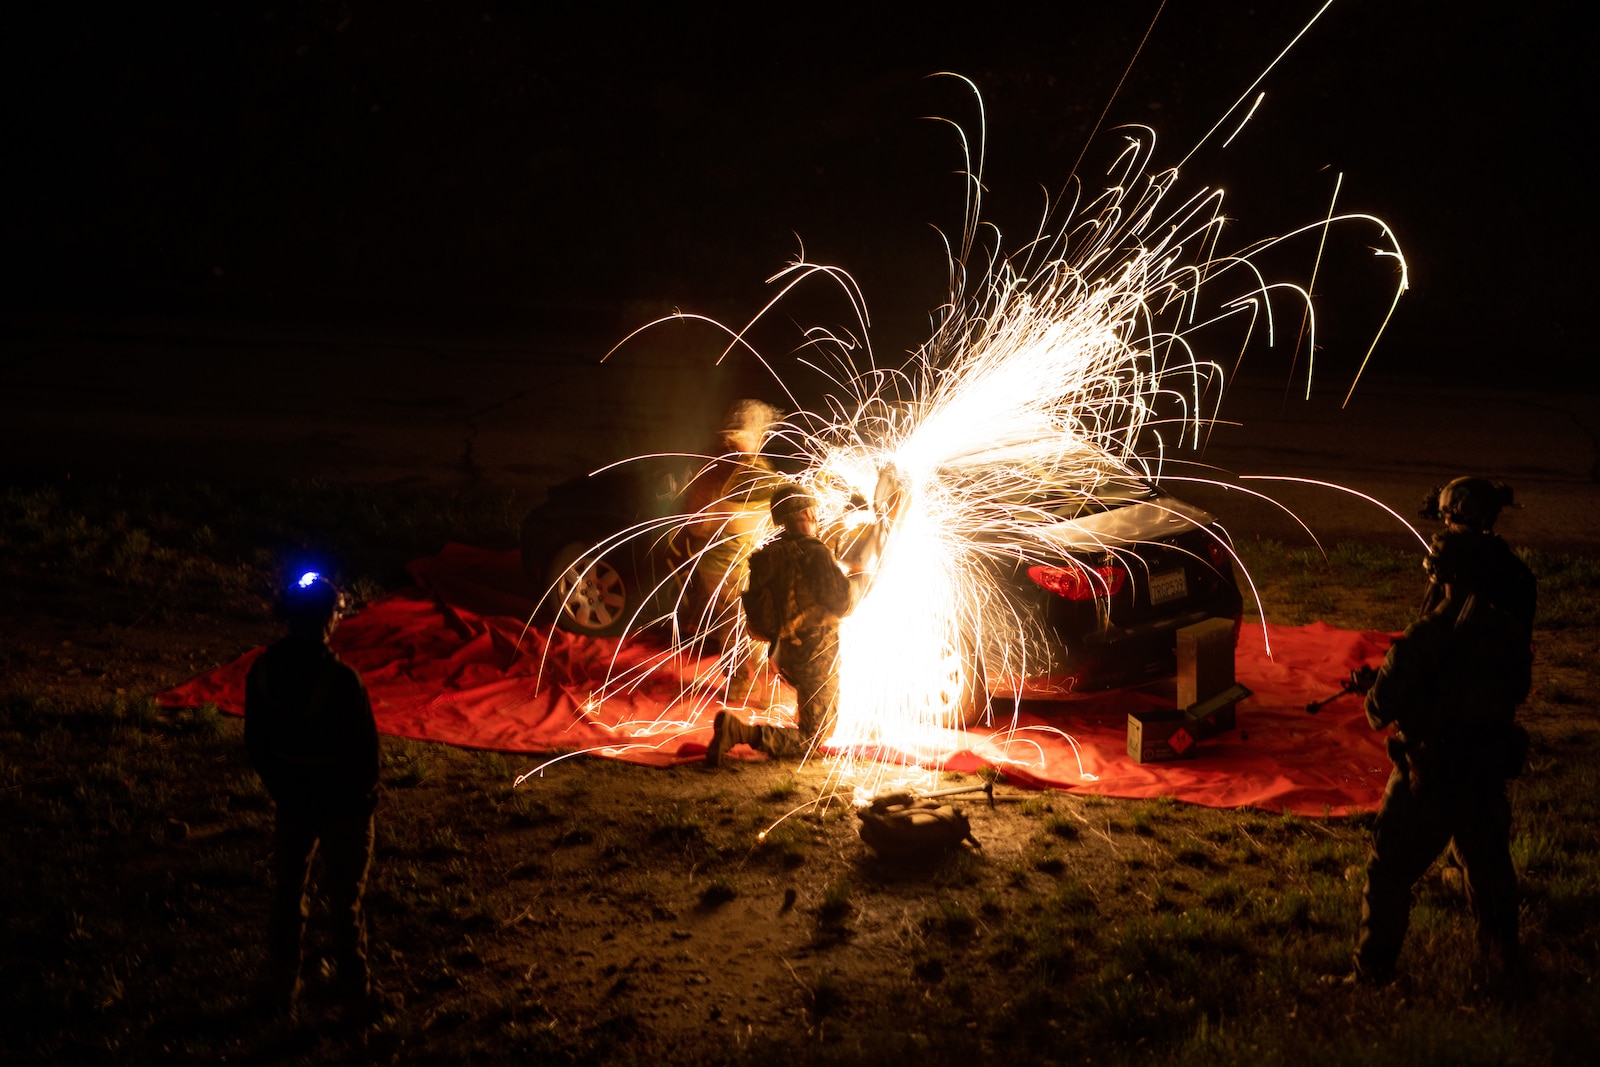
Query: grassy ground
point(608, 913)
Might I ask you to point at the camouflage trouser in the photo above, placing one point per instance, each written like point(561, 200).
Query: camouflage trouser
point(811, 665)
point(1414, 826)
point(346, 846)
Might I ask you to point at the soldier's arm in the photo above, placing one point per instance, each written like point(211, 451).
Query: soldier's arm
point(1400, 690)
point(828, 583)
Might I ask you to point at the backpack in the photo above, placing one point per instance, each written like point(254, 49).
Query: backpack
point(766, 600)
point(1488, 672)
point(902, 826)
point(1489, 663)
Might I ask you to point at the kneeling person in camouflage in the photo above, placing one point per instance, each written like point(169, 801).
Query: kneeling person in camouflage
point(810, 593)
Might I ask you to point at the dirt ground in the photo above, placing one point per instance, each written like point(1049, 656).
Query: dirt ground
point(603, 912)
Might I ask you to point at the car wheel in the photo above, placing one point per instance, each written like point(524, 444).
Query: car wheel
point(591, 596)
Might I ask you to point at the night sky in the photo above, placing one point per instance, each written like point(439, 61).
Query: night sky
point(516, 169)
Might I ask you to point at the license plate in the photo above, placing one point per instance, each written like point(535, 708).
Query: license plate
point(1169, 586)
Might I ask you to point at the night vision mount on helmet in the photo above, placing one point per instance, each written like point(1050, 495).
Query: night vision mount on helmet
point(1471, 502)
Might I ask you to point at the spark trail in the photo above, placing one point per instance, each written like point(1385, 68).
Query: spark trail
point(1054, 379)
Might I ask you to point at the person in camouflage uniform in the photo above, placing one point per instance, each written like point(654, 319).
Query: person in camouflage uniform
point(804, 577)
point(1452, 685)
point(729, 498)
point(309, 730)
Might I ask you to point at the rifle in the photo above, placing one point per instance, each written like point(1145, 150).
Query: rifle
point(1360, 680)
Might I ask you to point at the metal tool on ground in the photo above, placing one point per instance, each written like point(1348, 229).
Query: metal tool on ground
point(906, 825)
point(1360, 680)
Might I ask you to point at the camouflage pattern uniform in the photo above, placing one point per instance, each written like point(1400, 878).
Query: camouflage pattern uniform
point(802, 575)
point(1452, 684)
point(311, 736)
point(816, 594)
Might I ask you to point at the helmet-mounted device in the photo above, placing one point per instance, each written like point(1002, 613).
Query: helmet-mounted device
point(1469, 502)
point(311, 601)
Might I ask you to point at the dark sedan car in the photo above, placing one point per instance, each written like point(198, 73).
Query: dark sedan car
point(606, 548)
point(1127, 567)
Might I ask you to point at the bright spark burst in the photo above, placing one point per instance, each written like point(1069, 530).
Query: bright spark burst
point(1060, 376)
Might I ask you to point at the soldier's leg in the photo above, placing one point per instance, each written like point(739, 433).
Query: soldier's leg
point(1412, 830)
point(1483, 838)
point(780, 742)
point(816, 696)
point(815, 677)
point(294, 844)
point(728, 730)
point(347, 850)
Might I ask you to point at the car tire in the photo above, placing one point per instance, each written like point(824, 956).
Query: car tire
point(590, 596)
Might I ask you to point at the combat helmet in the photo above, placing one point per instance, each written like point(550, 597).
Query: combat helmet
point(1473, 503)
point(789, 500)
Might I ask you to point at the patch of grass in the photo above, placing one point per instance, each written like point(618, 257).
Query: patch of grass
point(958, 868)
point(1035, 807)
point(678, 824)
point(1050, 863)
point(783, 846)
point(204, 722)
point(827, 997)
point(1289, 912)
point(782, 789)
point(1062, 827)
point(406, 763)
point(836, 904)
point(953, 920)
point(442, 844)
point(1073, 897)
point(1364, 560)
point(1163, 898)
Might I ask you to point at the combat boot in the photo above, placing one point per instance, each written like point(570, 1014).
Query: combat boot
point(727, 731)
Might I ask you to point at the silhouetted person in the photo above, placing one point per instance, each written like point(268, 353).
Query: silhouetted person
point(309, 730)
point(729, 497)
point(1452, 685)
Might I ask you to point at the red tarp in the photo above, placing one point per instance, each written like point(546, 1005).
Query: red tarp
point(452, 662)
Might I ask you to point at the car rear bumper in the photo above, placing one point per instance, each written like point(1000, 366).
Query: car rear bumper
point(1111, 658)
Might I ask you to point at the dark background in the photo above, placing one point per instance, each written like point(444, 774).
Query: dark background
point(556, 175)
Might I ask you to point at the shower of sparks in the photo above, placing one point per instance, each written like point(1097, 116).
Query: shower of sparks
point(1056, 382)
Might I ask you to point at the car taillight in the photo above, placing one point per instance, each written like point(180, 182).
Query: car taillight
point(1221, 561)
point(1079, 583)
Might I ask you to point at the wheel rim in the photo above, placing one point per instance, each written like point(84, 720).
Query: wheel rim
point(593, 596)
